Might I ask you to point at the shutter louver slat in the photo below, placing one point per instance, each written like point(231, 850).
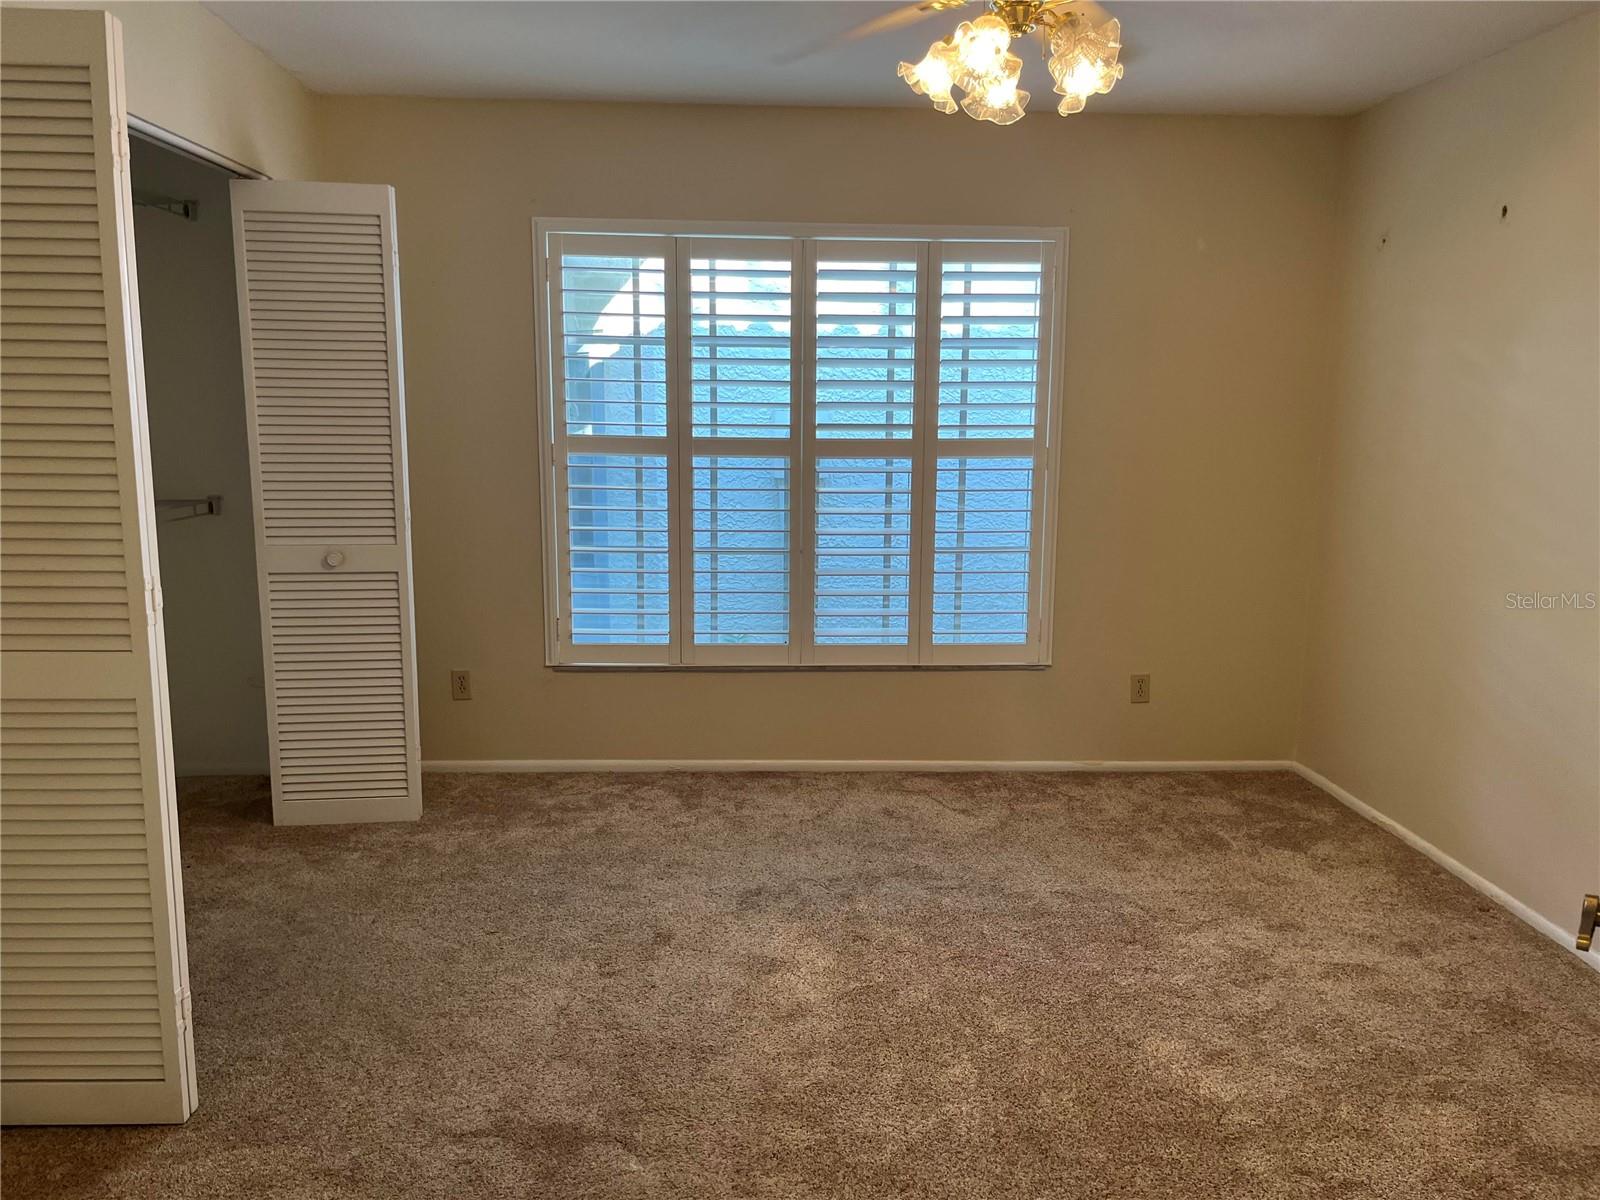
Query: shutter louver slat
point(739, 344)
point(866, 348)
point(863, 552)
point(982, 551)
point(613, 344)
point(741, 551)
point(617, 549)
point(988, 349)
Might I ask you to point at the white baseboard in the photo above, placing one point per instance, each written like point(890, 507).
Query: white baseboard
point(1505, 900)
point(552, 765)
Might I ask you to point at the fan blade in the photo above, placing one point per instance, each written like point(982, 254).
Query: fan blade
point(898, 19)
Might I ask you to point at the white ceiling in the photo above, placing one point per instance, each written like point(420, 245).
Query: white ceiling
point(1302, 56)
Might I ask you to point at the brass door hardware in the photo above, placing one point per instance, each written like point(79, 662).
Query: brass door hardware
point(1591, 907)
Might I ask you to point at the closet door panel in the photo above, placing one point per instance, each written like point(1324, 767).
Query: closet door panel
point(93, 976)
point(319, 308)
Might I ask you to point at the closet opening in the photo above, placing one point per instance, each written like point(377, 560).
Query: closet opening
point(200, 463)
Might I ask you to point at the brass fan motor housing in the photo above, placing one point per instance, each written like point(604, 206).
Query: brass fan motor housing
point(1022, 17)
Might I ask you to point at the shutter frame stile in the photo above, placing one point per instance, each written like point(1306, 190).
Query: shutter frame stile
point(319, 301)
point(93, 967)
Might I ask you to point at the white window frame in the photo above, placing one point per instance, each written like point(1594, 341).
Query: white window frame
point(676, 241)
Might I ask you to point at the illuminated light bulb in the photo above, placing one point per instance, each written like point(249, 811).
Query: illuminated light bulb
point(1084, 61)
point(981, 46)
point(934, 76)
point(998, 98)
point(1084, 79)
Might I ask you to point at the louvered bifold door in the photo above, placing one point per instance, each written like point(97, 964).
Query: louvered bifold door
point(320, 315)
point(93, 979)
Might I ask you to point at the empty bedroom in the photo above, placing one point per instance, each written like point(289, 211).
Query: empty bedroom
point(792, 598)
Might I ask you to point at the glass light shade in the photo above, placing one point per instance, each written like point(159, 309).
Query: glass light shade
point(934, 76)
point(981, 46)
point(998, 98)
point(1083, 61)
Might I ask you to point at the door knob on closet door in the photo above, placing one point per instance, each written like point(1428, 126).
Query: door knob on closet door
point(333, 558)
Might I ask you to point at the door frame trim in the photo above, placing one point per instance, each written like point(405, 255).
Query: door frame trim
point(164, 137)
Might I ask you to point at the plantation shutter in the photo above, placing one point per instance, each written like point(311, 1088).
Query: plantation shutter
point(93, 973)
point(743, 389)
point(770, 449)
point(615, 447)
point(990, 474)
point(864, 456)
point(318, 280)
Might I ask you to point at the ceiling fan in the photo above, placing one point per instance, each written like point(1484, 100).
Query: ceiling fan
point(1081, 42)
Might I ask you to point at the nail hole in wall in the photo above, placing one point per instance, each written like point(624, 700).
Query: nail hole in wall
point(1505, 211)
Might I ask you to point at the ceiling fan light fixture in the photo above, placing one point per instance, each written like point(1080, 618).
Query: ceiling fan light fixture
point(983, 47)
point(976, 59)
point(1083, 61)
point(935, 75)
point(999, 99)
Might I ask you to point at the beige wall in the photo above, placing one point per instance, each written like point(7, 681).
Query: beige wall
point(1461, 465)
point(194, 387)
point(1198, 354)
point(191, 74)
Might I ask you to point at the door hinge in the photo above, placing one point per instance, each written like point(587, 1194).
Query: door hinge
point(153, 601)
point(185, 1010)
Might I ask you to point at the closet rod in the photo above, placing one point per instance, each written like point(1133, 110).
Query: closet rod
point(185, 510)
point(189, 210)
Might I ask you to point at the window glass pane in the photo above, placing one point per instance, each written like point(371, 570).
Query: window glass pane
point(739, 343)
point(863, 531)
point(988, 349)
point(613, 345)
point(741, 551)
point(983, 512)
point(866, 348)
point(617, 543)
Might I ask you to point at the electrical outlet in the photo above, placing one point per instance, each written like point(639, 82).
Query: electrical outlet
point(1139, 689)
point(461, 685)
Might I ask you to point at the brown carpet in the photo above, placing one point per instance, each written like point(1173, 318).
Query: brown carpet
point(716, 986)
